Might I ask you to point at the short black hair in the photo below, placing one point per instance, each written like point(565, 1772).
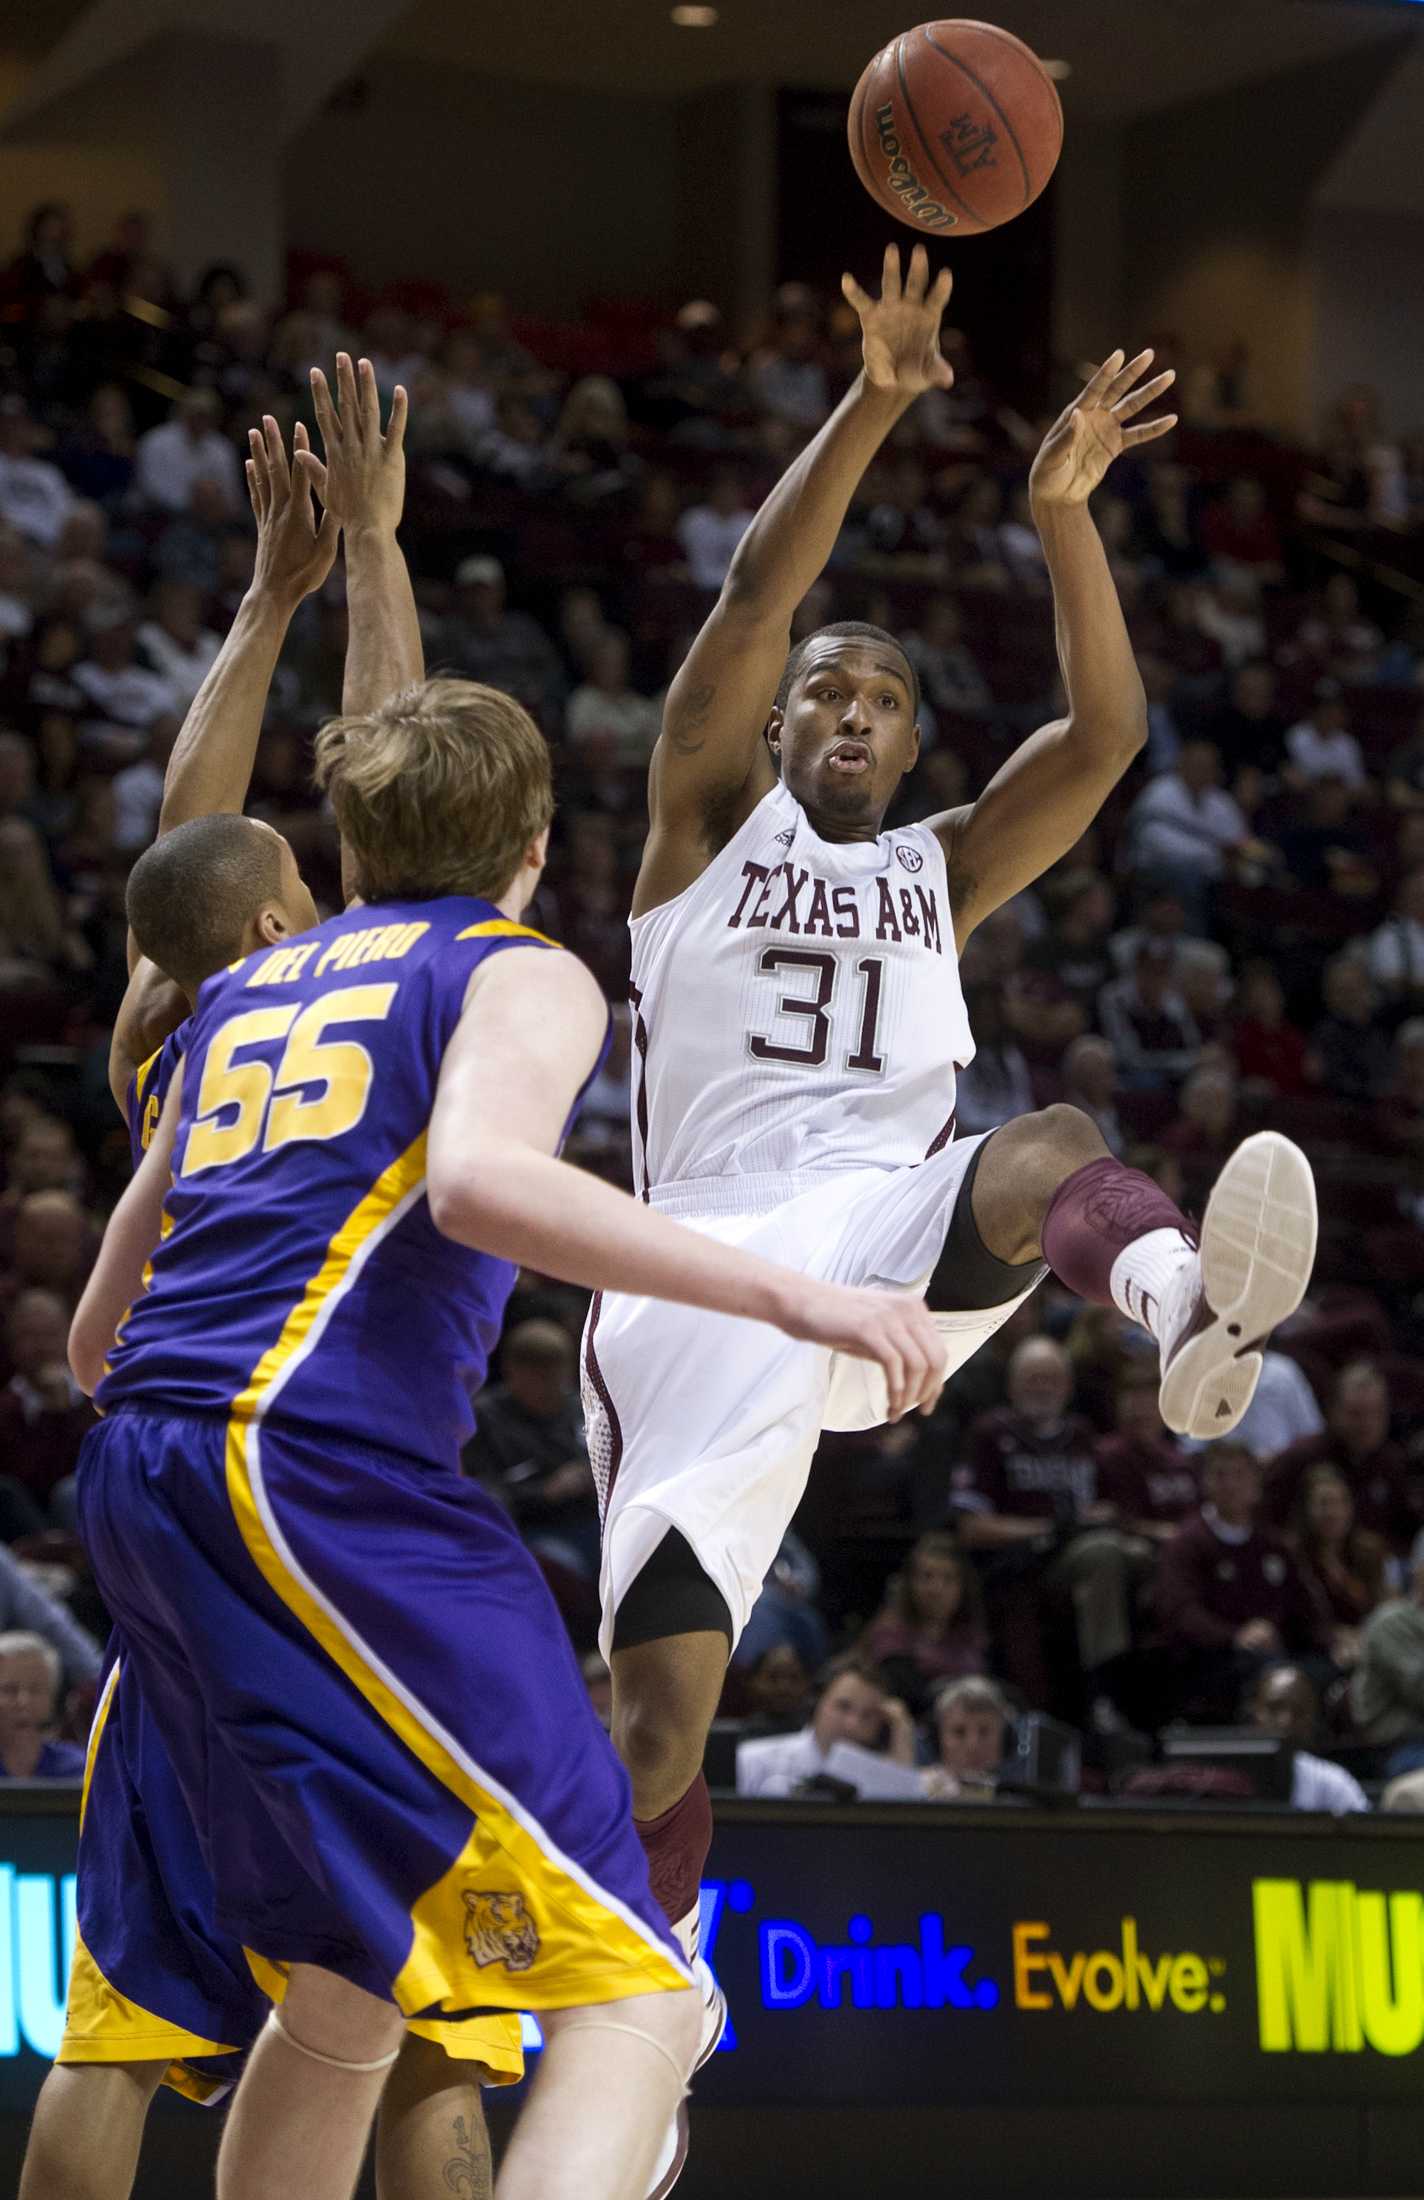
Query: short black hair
point(192, 894)
point(845, 630)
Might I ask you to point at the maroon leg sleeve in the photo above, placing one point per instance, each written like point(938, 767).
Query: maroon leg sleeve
point(676, 1846)
point(1093, 1214)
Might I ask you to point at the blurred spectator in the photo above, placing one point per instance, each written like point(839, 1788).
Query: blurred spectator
point(35, 498)
point(1396, 951)
point(1284, 1702)
point(786, 1609)
point(1400, 1119)
point(1230, 1595)
point(24, 1605)
point(1238, 529)
point(1143, 1473)
point(852, 1704)
point(1358, 1442)
point(786, 378)
point(1249, 730)
point(513, 449)
point(122, 696)
point(971, 1725)
point(138, 788)
point(590, 450)
point(44, 1417)
point(996, 1085)
point(99, 457)
point(1269, 1050)
point(949, 674)
point(777, 1688)
point(51, 1247)
point(529, 1446)
point(30, 1673)
point(1207, 1130)
point(1346, 1561)
point(175, 643)
point(45, 266)
point(931, 1626)
point(605, 714)
point(709, 533)
point(485, 640)
point(1283, 1411)
point(187, 448)
point(1321, 746)
point(1387, 1688)
point(1078, 903)
point(1325, 846)
point(1148, 1023)
point(1228, 612)
point(1090, 1084)
point(1404, 774)
point(1184, 827)
point(1349, 1055)
point(1338, 638)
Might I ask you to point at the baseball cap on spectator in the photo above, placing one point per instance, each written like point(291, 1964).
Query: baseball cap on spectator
point(479, 572)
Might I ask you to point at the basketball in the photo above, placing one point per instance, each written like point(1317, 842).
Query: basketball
point(955, 127)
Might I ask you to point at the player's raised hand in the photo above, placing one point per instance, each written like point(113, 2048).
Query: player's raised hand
point(893, 1328)
point(900, 328)
point(295, 550)
point(363, 478)
point(1094, 430)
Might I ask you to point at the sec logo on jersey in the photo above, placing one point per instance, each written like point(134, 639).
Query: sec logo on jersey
point(909, 859)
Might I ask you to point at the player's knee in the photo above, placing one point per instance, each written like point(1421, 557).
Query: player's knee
point(329, 2016)
point(657, 1747)
point(1057, 1140)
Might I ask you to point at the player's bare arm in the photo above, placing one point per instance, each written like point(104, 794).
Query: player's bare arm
point(711, 766)
point(1050, 790)
point(362, 482)
point(527, 1042)
point(133, 1231)
point(211, 765)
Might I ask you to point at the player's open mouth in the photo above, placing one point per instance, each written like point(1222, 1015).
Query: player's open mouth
point(850, 756)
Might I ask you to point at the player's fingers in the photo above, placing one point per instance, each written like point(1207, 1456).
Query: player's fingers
point(1136, 401)
point(941, 372)
point(893, 1363)
point(917, 280)
point(258, 462)
point(312, 471)
point(395, 426)
point(890, 276)
point(276, 456)
point(301, 441)
point(370, 400)
point(1133, 372)
point(326, 416)
point(1149, 430)
point(940, 293)
point(328, 531)
point(251, 472)
point(1100, 381)
point(854, 295)
point(346, 396)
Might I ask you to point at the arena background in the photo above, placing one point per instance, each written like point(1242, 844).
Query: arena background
point(603, 249)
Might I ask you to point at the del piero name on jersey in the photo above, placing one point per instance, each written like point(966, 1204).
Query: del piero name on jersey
point(786, 898)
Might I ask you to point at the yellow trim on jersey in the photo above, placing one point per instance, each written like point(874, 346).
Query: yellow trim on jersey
point(103, 2026)
point(588, 1949)
point(504, 928)
point(142, 1071)
point(96, 1734)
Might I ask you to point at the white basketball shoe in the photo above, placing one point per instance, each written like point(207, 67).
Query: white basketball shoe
point(672, 2160)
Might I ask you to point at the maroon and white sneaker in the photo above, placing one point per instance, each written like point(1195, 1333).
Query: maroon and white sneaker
point(672, 2161)
point(1253, 1268)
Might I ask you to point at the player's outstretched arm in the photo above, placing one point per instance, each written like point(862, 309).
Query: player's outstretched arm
point(710, 766)
point(134, 1230)
point(363, 483)
point(211, 765)
point(528, 1040)
point(1048, 793)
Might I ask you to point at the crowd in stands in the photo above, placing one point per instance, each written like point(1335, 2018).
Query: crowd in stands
point(1238, 941)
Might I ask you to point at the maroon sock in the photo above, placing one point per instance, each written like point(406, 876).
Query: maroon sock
point(1093, 1214)
point(677, 1846)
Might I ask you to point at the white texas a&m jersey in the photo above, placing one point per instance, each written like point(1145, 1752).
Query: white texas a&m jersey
point(798, 1007)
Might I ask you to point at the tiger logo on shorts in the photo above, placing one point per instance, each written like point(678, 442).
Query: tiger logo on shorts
point(498, 1929)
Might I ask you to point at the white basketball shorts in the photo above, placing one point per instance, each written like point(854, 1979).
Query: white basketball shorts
point(707, 1423)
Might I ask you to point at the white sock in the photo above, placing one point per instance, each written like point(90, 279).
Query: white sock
point(685, 1932)
point(1147, 1278)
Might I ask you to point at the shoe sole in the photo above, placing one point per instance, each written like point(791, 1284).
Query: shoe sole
point(1257, 1252)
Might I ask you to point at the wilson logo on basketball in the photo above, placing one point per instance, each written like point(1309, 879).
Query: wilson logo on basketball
point(903, 181)
point(909, 859)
